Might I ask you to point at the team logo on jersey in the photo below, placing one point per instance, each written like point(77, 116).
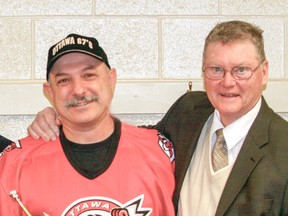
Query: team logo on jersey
point(103, 206)
point(166, 146)
point(10, 147)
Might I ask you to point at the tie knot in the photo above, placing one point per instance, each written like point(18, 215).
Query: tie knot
point(220, 140)
point(219, 132)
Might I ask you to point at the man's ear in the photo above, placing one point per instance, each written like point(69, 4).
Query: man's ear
point(113, 78)
point(265, 69)
point(47, 91)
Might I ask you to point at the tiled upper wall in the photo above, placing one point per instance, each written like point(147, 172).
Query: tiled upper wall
point(155, 40)
point(46, 8)
point(144, 7)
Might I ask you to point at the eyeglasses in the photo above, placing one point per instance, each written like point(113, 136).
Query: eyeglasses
point(239, 73)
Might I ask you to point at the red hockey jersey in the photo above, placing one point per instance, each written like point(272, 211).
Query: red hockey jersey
point(139, 181)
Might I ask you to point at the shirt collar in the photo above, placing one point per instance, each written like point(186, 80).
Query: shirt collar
point(231, 132)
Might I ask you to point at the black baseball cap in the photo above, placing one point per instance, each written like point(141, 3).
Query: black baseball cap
point(75, 43)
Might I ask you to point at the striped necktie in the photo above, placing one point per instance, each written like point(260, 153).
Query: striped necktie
point(219, 153)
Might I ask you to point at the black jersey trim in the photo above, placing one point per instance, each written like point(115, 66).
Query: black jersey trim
point(74, 161)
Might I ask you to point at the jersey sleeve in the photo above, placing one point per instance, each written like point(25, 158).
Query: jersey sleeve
point(8, 205)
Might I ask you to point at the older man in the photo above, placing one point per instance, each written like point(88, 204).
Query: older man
point(231, 148)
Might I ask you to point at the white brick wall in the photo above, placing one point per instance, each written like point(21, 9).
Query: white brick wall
point(156, 47)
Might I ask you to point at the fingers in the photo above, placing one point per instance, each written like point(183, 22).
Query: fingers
point(37, 130)
point(35, 133)
point(45, 125)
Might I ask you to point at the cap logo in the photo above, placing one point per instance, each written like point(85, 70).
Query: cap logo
point(71, 41)
point(75, 43)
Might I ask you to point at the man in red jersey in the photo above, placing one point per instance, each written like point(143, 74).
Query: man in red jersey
point(98, 164)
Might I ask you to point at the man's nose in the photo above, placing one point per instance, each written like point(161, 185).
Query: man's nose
point(228, 79)
point(79, 88)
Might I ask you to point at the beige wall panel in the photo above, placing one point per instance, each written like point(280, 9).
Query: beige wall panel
point(255, 7)
point(15, 49)
point(156, 7)
point(51, 7)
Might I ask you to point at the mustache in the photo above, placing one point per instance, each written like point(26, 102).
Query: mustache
point(77, 101)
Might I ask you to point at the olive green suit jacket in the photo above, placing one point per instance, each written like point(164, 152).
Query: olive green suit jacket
point(257, 184)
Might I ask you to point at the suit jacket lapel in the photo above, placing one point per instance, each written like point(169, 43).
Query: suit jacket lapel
point(247, 160)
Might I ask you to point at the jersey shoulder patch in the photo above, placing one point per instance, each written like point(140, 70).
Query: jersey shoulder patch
point(167, 146)
point(10, 147)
